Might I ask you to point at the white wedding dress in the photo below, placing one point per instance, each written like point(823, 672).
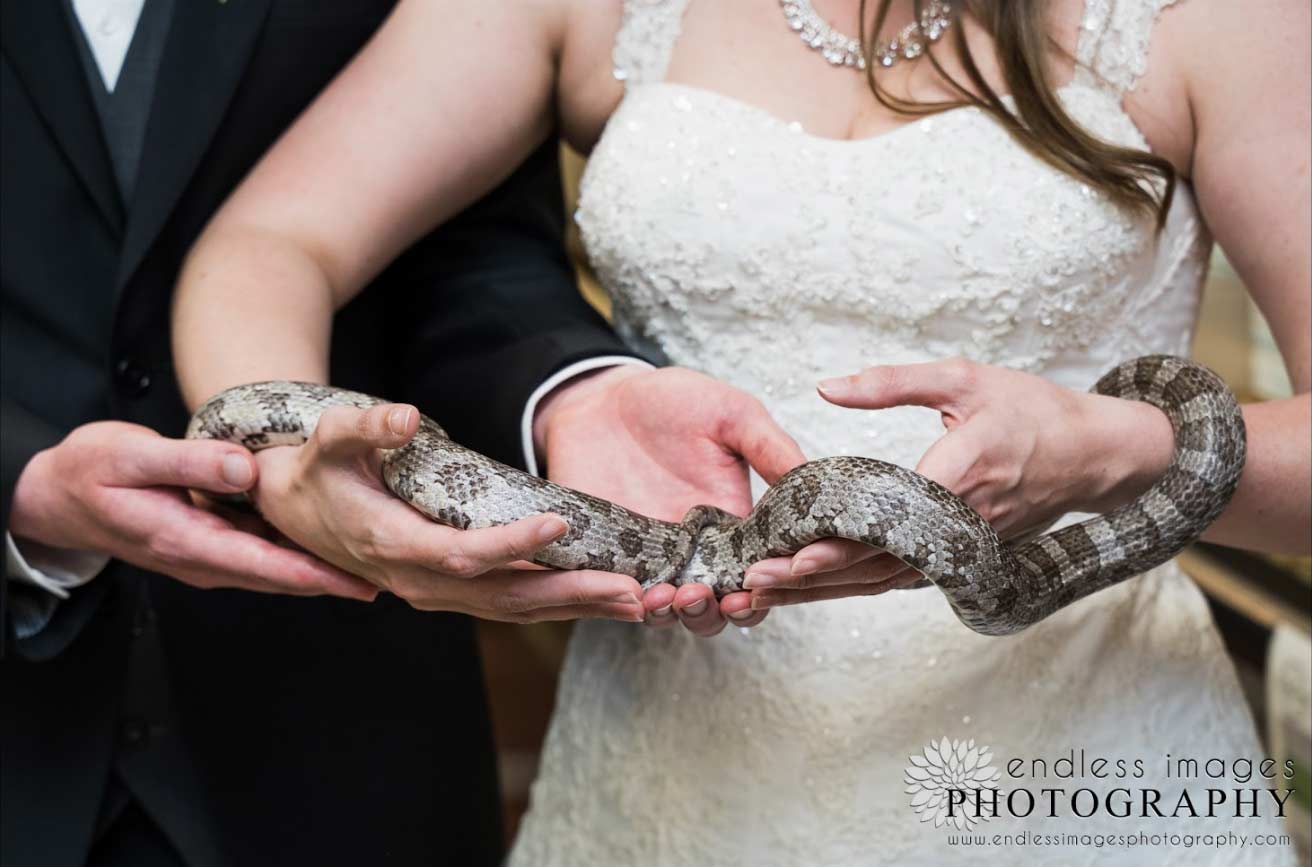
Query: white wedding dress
point(736, 243)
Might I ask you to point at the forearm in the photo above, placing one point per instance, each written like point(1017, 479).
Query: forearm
point(250, 306)
point(1272, 510)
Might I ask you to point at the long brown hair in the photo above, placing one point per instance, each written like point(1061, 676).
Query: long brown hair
point(1039, 122)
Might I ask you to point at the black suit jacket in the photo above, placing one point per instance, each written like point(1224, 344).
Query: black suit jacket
point(254, 729)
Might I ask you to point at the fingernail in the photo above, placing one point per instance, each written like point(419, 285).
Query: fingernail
point(837, 387)
point(237, 470)
point(552, 530)
point(397, 420)
point(663, 611)
point(803, 566)
point(742, 615)
point(761, 603)
point(694, 609)
point(758, 580)
point(625, 599)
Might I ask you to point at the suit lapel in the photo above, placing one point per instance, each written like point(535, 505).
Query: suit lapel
point(209, 44)
point(38, 41)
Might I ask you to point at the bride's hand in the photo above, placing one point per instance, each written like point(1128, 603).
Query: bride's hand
point(660, 442)
point(1020, 450)
point(328, 497)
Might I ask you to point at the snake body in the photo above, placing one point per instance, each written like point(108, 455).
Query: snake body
point(994, 588)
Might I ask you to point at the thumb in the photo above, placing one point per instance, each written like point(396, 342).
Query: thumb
point(348, 430)
point(765, 446)
point(942, 385)
point(204, 465)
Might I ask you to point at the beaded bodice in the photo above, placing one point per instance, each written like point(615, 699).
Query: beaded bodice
point(735, 241)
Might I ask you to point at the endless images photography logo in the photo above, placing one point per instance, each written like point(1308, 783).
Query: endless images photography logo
point(944, 768)
point(954, 785)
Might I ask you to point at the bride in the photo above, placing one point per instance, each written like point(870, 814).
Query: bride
point(1030, 186)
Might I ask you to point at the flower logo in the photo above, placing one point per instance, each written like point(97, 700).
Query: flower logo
point(945, 769)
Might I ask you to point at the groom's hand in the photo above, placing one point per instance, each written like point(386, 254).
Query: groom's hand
point(659, 442)
point(328, 497)
point(121, 490)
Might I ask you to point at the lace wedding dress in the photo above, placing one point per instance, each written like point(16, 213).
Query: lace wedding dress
point(736, 243)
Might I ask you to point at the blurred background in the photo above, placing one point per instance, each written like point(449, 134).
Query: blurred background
point(1263, 605)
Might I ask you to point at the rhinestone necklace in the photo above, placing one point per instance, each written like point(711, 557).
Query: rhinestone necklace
point(842, 50)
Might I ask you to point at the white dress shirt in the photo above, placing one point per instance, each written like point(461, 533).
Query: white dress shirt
point(109, 26)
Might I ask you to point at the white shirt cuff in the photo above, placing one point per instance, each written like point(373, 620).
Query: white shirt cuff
point(56, 570)
point(553, 382)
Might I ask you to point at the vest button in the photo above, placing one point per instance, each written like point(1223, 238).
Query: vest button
point(134, 733)
point(131, 379)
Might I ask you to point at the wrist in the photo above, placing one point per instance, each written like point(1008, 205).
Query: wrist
point(1134, 446)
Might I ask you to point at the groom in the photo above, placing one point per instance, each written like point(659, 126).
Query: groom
point(147, 717)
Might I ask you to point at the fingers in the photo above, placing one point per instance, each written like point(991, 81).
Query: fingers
point(530, 595)
point(755, 435)
point(467, 553)
point(766, 599)
point(827, 563)
point(623, 613)
point(738, 608)
point(347, 430)
point(658, 602)
point(194, 545)
point(694, 604)
point(829, 555)
point(206, 465)
point(942, 385)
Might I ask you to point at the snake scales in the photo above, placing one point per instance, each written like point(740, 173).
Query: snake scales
point(995, 588)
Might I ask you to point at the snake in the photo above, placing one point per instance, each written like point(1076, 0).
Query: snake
point(994, 587)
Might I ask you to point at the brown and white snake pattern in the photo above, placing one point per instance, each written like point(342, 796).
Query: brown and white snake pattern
point(995, 588)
